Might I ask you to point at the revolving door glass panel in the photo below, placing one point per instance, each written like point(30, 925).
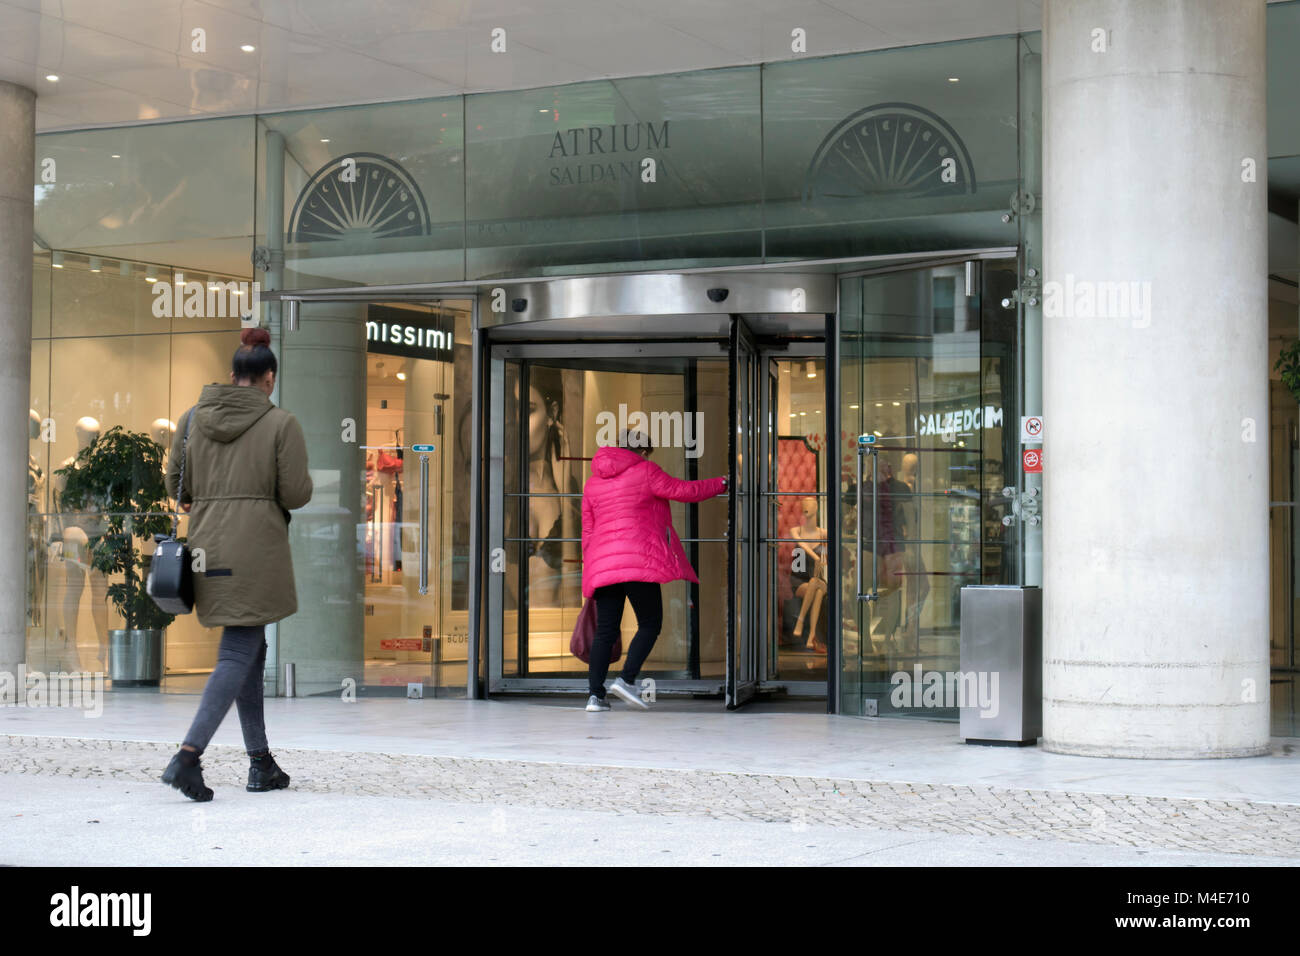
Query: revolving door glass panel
point(557, 413)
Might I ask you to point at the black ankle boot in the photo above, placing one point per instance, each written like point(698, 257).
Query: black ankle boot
point(186, 775)
point(264, 774)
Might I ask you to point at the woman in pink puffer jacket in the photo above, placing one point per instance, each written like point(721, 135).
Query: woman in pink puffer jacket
point(629, 548)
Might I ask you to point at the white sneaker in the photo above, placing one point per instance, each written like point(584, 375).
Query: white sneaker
point(627, 693)
point(595, 704)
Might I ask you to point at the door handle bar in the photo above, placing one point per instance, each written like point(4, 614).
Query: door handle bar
point(867, 446)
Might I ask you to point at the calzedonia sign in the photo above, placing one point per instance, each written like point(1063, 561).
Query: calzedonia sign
point(586, 155)
point(392, 331)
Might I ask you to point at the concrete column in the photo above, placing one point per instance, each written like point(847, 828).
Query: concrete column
point(17, 172)
point(323, 382)
point(1155, 374)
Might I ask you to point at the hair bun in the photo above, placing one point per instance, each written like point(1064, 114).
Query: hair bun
point(255, 337)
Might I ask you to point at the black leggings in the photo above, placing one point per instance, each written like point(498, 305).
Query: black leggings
point(648, 606)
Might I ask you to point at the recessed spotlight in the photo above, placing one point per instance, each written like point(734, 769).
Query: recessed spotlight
point(324, 140)
point(953, 79)
point(896, 404)
point(56, 260)
point(543, 111)
point(150, 275)
point(853, 406)
point(52, 77)
point(401, 376)
point(117, 156)
point(96, 265)
point(248, 48)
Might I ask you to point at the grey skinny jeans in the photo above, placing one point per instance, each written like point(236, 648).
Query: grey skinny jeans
point(237, 679)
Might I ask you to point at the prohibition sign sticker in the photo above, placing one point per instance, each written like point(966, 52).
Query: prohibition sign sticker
point(1031, 429)
point(1033, 460)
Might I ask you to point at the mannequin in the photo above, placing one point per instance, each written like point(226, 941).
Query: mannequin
point(80, 532)
point(811, 540)
point(37, 557)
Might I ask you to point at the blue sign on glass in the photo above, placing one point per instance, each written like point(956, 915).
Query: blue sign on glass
point(422, 448)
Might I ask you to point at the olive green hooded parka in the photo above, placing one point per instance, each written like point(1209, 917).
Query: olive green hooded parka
point(245, 468)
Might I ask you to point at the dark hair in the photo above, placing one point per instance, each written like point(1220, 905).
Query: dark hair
point(254, 357)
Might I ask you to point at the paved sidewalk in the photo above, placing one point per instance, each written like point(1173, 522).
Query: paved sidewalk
point(779, 783)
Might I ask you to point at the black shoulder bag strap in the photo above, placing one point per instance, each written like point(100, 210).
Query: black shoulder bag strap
point(180, 481)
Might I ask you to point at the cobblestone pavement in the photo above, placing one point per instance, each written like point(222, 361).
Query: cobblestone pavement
point(1223, 826)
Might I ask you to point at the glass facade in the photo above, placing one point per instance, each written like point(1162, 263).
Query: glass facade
point(927, 149)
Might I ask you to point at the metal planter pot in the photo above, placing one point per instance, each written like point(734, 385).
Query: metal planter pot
point(135, 658)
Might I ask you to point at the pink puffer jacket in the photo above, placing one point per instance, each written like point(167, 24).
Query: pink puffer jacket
point(627, 532)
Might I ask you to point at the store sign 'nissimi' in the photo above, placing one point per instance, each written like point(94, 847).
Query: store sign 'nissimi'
point(631, 142)
point(386, 335)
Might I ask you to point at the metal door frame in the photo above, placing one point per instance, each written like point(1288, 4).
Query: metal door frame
point(498, 353)
point(766, 534)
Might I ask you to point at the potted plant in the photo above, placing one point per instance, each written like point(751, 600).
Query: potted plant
point(1288, 364)
point(120, 476)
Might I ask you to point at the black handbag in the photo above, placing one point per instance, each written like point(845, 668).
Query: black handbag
point(171, 577)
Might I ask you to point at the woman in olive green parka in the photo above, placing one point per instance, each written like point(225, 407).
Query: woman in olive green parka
point(245, 469)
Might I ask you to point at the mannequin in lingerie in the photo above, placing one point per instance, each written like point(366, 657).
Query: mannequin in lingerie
point(811, 543)
point(80, 531)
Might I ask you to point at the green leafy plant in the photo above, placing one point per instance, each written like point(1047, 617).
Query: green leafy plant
point(1288, 363)
point(120, 477)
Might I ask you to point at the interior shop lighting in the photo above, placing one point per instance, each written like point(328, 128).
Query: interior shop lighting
point(248, 48)
point(96, 264)
point(878, 433)
point(811, 369)
point(401, 376)
point(151, 275)
point(117, 156)
point(953, 79)
point(56, 260)
point(896, 404)
point(52, 77)
point(853, 406)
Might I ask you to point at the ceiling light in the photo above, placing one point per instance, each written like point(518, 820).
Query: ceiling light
point(401, 376)
point(248, 48)
point(117, 156)
point(324, 140)
point(811, 369)
point(801, 414)
point(952, 79)
point(96, 265)
point(853, 406)
point(878, 434)
point(52, 77)
point(151, 274)
point(56, 260)
point(880, 404)
point(896, 404)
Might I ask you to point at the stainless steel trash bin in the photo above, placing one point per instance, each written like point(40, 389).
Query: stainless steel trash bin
point(135, 658)
point(1002, 664)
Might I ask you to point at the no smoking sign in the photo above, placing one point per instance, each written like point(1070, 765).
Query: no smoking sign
point(1033, 461)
